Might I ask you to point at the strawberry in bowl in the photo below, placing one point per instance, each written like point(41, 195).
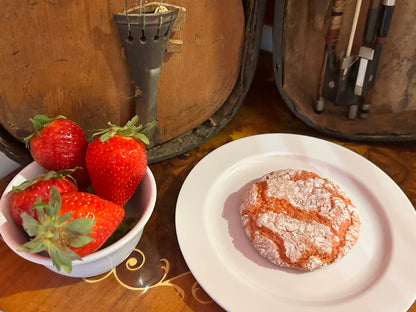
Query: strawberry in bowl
point(86, 262)
point(116, 160)
point(24, 195)
point(59, 143)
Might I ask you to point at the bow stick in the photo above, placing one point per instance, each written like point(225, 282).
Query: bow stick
point(329, 70)
point(366, 53)
point(347, 58)
point(345, 91)
point(386, 15)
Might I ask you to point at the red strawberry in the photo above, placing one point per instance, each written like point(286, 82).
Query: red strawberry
point(107, 215)
point(24, 195)
point(72, 226)
point(117, 160)
point(57, 144)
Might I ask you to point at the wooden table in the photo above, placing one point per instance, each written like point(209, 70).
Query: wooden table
point(164, 282)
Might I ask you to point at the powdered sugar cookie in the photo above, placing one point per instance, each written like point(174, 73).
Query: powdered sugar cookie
point(297, 219)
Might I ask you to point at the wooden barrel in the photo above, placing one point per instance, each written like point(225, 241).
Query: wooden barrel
point(66, 58)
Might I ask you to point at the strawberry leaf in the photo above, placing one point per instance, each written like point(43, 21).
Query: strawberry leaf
point(142, 137)
point(125, 132)
point(81, 225)
point(79, 241)
point(39, 122)
point(61, 219)
point(54, 202)
point(129, 130)
point(40, 210)
point(72, 255)
point(106, 136)
point(60, 259)
point(56, 234)
point(132, 122)
point(30, 224)
point(149, 126)
point(34, 246)
point(24, 185)
point(36, 124)
point(66, 173)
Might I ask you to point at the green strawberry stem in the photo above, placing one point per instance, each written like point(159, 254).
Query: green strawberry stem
point(56, 234)
point(66, 173)
point(39, 122)
point(129, 130)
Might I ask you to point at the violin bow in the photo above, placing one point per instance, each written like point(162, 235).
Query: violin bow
point(329, 70)
point(345, 92)
point(347, 58)
point(366, 52)
point(386, 14)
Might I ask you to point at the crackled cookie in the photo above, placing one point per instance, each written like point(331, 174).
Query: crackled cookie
point(297, 219)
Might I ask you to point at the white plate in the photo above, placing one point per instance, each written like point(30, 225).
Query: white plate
point(378, 274)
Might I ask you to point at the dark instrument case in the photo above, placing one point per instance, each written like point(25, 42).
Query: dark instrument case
point(310, 45)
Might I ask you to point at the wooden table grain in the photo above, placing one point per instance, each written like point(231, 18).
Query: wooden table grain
point(155, 276)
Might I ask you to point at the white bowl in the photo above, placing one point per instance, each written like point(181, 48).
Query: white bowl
point(141, 204)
